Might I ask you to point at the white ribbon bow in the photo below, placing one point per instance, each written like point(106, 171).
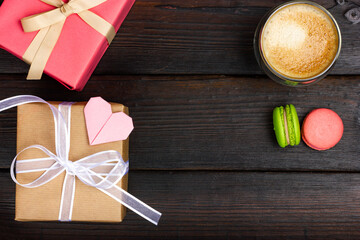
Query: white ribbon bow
point(90, 169)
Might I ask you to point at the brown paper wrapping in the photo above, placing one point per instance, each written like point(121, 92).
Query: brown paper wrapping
point(35, 125)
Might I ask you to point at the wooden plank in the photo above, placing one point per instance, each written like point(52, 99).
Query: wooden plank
point(216, 205)
point(208, 122)
point(197, 37)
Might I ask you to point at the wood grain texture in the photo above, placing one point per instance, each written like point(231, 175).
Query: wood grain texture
point(203, 151)
point(198, 37)
point(208, 122)
point(216, 205)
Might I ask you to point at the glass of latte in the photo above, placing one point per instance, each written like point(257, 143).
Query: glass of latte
point(297, 43)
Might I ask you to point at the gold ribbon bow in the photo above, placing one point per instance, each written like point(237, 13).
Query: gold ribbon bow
point(50, 25)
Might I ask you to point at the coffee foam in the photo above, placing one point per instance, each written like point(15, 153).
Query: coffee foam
point(299, 41)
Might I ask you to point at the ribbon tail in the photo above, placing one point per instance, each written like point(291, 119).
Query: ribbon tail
point(34, 46)
point(133, 203)
point(99, 24)
point(43, 52)
point(67, 198)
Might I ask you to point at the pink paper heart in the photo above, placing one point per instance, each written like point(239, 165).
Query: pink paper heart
point(103, 125)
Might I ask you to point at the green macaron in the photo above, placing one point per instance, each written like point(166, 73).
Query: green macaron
point(286, 125)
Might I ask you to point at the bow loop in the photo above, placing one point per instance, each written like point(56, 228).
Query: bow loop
point(40, 21)
point(107, 163)
point(52, 172)
point(55, 3)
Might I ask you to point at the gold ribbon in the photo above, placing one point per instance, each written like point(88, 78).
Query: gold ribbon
point(50, 25)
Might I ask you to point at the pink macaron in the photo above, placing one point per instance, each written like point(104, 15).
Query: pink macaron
point(322, 129)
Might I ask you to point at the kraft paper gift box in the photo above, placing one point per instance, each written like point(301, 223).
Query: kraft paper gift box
point(35, 125)
point(79, 47)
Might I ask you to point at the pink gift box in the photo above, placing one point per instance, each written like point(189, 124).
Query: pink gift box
point(79, 48)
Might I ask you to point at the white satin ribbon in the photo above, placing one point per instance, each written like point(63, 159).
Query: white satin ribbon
point(102, 170)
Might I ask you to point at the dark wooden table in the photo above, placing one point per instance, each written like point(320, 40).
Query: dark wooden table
point(203, 150)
